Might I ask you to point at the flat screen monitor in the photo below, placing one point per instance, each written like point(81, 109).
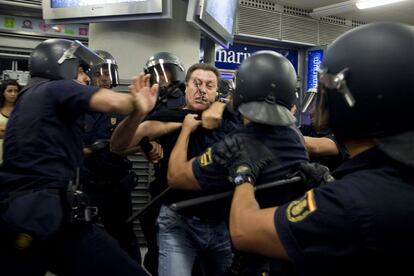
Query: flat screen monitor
point(82, 11)
point(216, 18)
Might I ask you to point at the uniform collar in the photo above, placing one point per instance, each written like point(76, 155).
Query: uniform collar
point(370, 158)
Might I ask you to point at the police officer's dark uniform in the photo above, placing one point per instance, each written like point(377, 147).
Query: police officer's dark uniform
point(272, 124)
point(43, 149)
point(106, 176)
point(361, 224)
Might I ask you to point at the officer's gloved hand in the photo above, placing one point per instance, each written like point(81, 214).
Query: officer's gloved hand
point(315, 174)
point(243, 159)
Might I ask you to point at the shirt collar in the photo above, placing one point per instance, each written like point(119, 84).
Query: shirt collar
point(370, 158)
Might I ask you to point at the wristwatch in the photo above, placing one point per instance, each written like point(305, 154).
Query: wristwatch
point(242, 178)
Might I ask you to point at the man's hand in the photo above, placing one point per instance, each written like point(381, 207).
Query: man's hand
point(145, 96)
point(211, 118)
point(156, 153)
point(241, 157)
point(190, 123)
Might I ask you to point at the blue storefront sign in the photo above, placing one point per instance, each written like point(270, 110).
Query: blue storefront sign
point(231, 58)
point(314, 61)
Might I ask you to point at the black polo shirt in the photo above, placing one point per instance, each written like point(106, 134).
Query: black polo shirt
point(200, 139)
point(360, 224)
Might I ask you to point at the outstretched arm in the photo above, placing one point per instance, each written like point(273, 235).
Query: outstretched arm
point(131, 130)
point(320, 146)
point(180, 170)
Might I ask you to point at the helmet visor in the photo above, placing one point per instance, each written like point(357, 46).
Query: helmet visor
point(83, 53)
point(308, 103)
point(165, 74)
point(330, 83)
point(105, 76)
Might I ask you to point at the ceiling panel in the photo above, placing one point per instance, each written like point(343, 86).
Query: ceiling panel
point(398, 12)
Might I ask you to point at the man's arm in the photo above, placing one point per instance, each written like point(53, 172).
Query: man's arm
point(320, 146)
point(130, 131)
point(253, 229)
point(105, 100)
point(180, 171)
point(211, 118)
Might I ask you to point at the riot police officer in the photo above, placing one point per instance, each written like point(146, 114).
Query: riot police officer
point(44, 218)
point(107, 178)
point(359, 224)
point(167, 70)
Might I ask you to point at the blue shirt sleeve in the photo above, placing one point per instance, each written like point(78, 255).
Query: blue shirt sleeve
point(73, 96)
point(326, 221)
point(210, 175)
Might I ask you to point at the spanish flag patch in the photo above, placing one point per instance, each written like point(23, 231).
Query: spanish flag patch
point(301, 208)
point(206, 159)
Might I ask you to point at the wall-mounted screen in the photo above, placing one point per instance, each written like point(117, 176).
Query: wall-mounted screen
point(220, 15)
point(215, 18)
point(81, 11)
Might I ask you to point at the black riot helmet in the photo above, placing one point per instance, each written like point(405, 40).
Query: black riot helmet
point(165, 69)
point(106, 74)
point(265, 89)
point(366, 87)
point(59, 59)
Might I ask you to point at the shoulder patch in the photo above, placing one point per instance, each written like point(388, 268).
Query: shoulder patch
point(206, 158)
point(299, 209)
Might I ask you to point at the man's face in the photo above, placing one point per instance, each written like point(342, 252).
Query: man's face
point(82, 78)
point(201, 90)
point(102, 78)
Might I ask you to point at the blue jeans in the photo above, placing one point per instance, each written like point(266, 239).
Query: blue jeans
point(182, 239)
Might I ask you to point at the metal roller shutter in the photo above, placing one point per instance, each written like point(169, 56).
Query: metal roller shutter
point(140, 196)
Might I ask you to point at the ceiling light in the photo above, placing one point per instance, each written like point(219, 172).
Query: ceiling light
point(375, 3)
point(334, 9)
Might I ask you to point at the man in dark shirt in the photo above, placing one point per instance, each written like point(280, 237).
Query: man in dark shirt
point(44, 220)
point(209, 239)
point(359, 224)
